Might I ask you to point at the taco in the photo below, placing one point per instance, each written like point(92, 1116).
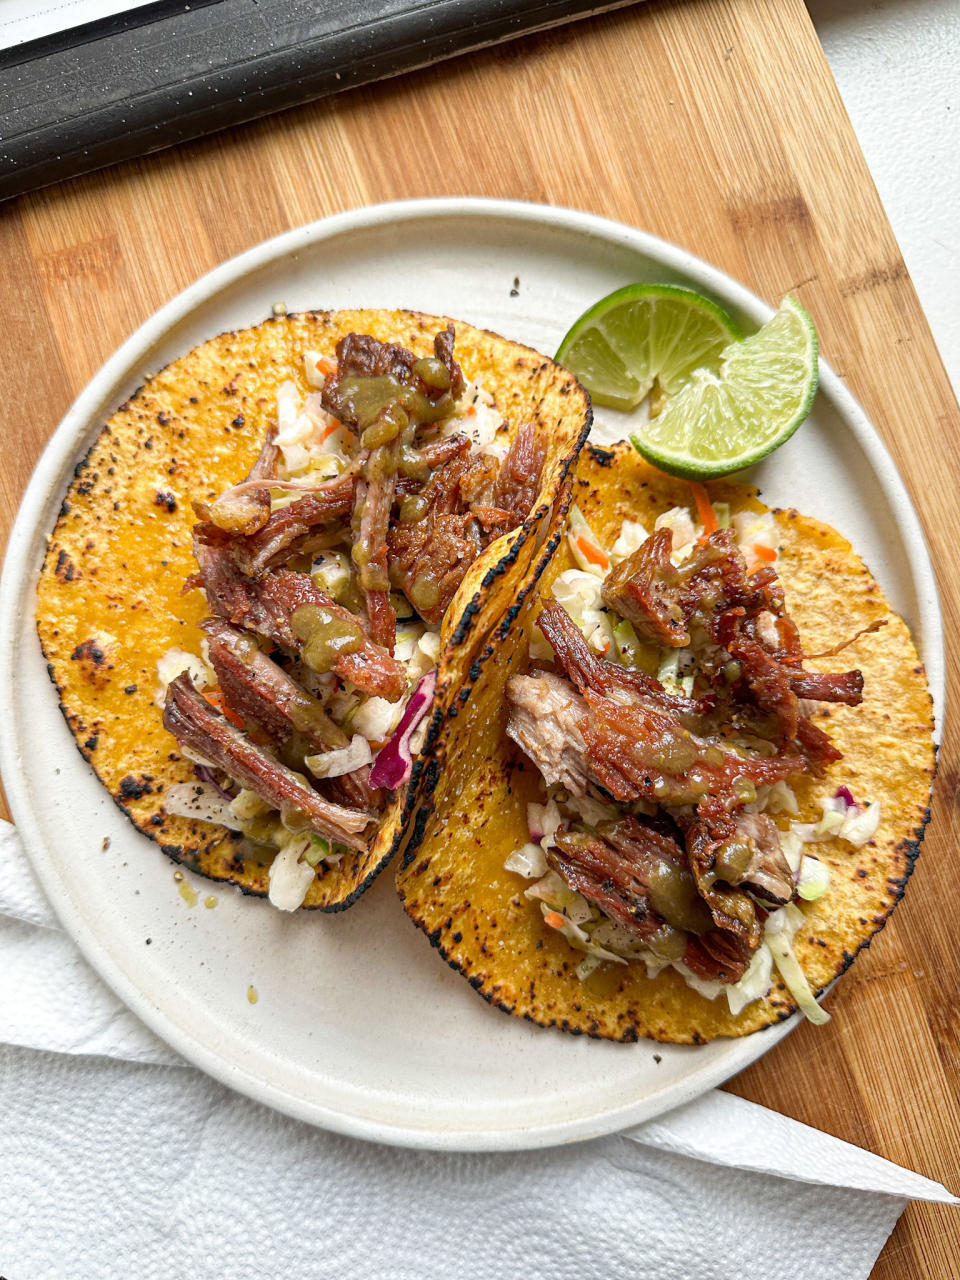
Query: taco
point(275, 570)
point(667, 811)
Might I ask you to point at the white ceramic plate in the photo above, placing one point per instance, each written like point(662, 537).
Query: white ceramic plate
point(359, 1026)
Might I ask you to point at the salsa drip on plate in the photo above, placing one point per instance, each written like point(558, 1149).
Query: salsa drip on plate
point(656, 841)
point(327, 573)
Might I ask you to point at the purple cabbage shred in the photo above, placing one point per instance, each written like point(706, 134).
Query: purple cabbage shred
point(203, 774)
point(394, 763)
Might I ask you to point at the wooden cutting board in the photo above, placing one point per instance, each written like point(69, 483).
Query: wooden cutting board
point(713, 123)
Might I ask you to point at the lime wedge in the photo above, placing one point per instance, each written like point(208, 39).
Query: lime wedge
point(724, 420)
point(642, 334)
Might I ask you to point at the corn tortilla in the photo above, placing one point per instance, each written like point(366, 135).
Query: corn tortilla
point(110, 602)
point(474, 912)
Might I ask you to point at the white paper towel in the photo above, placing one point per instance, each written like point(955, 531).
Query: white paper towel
point(125, 1164)
point(51, 998)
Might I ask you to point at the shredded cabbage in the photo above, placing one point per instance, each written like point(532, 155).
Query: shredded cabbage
point(777, 797)
point(248, 804)
point(334, 764)
point(830, 824)
point(608, 933)
point(669, 668)
point(779, 931)
point(754, 984)
point(551, 889)
point(805, 832)
point(318, 850)
point(419, 736)
point(631, 538)
point(754, 529)
point(376, 718)
point(578, 592)
point(170, 665)
point(394, 762)
point(814, 879)
point(528, 861)
point(288, 407)
point(540, 648)
point(859, 827)
point(429, 645)
point(199, 800)
point(598, 632)
point(792, 848)
point(841, 821)
point(424, 654)
point(310, 440)
point(311, 360)
point(703, 986)
point(543, 821)
point(578, 938)
point(591, 811)
point(669, 672)
point(288, 877)
point(580, 529)
point(587, 966)
point(406, 642)
point(478, 418)
point(680, 524)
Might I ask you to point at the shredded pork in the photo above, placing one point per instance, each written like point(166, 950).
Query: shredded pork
point(546, 722)
point(412, 508)
point(196, 725)
point(602, 729)
point(288, 532)
point(246, 511)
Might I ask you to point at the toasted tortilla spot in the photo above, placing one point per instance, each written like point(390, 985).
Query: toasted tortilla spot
point(459, 885)
point(131, 554)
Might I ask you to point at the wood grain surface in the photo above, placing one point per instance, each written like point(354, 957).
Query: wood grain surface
point(713, 123)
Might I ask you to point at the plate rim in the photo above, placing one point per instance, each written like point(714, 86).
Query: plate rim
point(47, 479)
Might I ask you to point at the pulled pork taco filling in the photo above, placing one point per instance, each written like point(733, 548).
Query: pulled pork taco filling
point(668, 711)
point(327, 574)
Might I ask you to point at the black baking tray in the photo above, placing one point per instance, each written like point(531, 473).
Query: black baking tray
point(168, 72)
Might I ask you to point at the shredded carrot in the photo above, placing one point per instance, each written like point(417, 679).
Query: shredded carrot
point(606, 649)
point(232, 716)
point(329, 430)
point(764, 553)
point(215, 698)
point(554, 919)
point(705, 512)
point(592, 552)
point(326, 365)
point(472, 411)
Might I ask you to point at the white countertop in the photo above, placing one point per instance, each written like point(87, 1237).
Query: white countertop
point(897, 65)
